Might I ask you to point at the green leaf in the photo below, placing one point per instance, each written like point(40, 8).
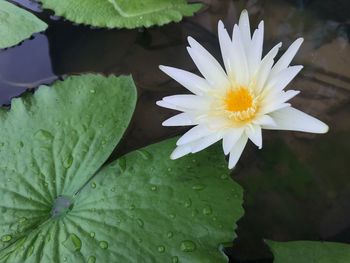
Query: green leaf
point(125, 14)
point(309, 252)
point(51, 143)
point(16, 24)
point(144, 207)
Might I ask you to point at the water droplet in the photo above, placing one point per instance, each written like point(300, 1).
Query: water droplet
point(92, 234)
point(72, 243)
point(91, 259)
point(21, 144)
point(174, 259)
point(170, 234)
point(207, 210)
point(140, 222)
point(224, 176)
point(6, 238)
point(172, 216)
point(139, 240)
point(188, 246)
point(198, 187)
point(93, 185)
point(154, 188)
point(92, 91)
point(188, 203)
point(103, 142)
point(103, 244)
point(132, 207)
point(68, 161)
point(161, 249)
point(22, 220)
point(43, 135)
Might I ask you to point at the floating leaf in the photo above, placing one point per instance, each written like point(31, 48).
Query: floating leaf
point(143, 207)
point(51, 144)
point(310, 251)
point(125, 14)
point(16, 24)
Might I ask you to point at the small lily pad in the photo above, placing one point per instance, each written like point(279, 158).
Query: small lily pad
point(16, 24)
point(309, 251)
point(122, 13)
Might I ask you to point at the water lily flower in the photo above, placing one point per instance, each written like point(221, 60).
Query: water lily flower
point(235, 104)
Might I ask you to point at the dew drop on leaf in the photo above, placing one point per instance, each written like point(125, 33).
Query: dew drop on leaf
point(207, 210)
point(198, 187)
point(154, 188)
point(6, 238)
point(161, 249)
point(170, 234)
point(188, 203)
point(188, 246)
point(93, 185)
point(103, 244)
point(92, 234)
point(140, 222)
point(91, 259)
point(67, 162)
point(174, 259)
point(73, 243)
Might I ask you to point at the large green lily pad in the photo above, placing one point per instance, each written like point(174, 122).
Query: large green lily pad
point(143, 207)
point(16, 24)
point(310, 252)
point(122, 13)
point(51, 144)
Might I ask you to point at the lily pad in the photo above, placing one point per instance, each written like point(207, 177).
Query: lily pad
point(51, 144)
point(16, 24)
point(125, 14)
point(310, 251)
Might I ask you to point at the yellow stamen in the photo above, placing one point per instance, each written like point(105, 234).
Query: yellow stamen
point(238, 99)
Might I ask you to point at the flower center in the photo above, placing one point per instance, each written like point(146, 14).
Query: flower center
point(240, 104)
point(238, 99)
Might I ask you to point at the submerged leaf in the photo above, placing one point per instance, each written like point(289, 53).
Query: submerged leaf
point(309, 251)
point(125, 14)
point(16, 24)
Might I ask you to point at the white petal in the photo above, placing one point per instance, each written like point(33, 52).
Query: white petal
point(256, 47)
point(207, 64)
point(190, 81)
point(182, 119)
point(265, 120)
point(162, 103)
point(226, 47)
point(274, 101)
point(187, 101)
point(206, 142)
point(180, 151)
point(268, 108)
point(244, 27)
point(254, 134)
point(194, 134)
point(283, 78)
point(292, 119)
point(236, 151)
point(230, 138)
point(240, 65)
point(265, 68)
point(287, 57)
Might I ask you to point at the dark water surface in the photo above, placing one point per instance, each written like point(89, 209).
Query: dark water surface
point(298, 186)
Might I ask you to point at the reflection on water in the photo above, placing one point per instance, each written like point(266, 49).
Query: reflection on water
point(297, 186)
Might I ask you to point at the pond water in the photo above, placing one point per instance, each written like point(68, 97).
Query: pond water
point(298, 186)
